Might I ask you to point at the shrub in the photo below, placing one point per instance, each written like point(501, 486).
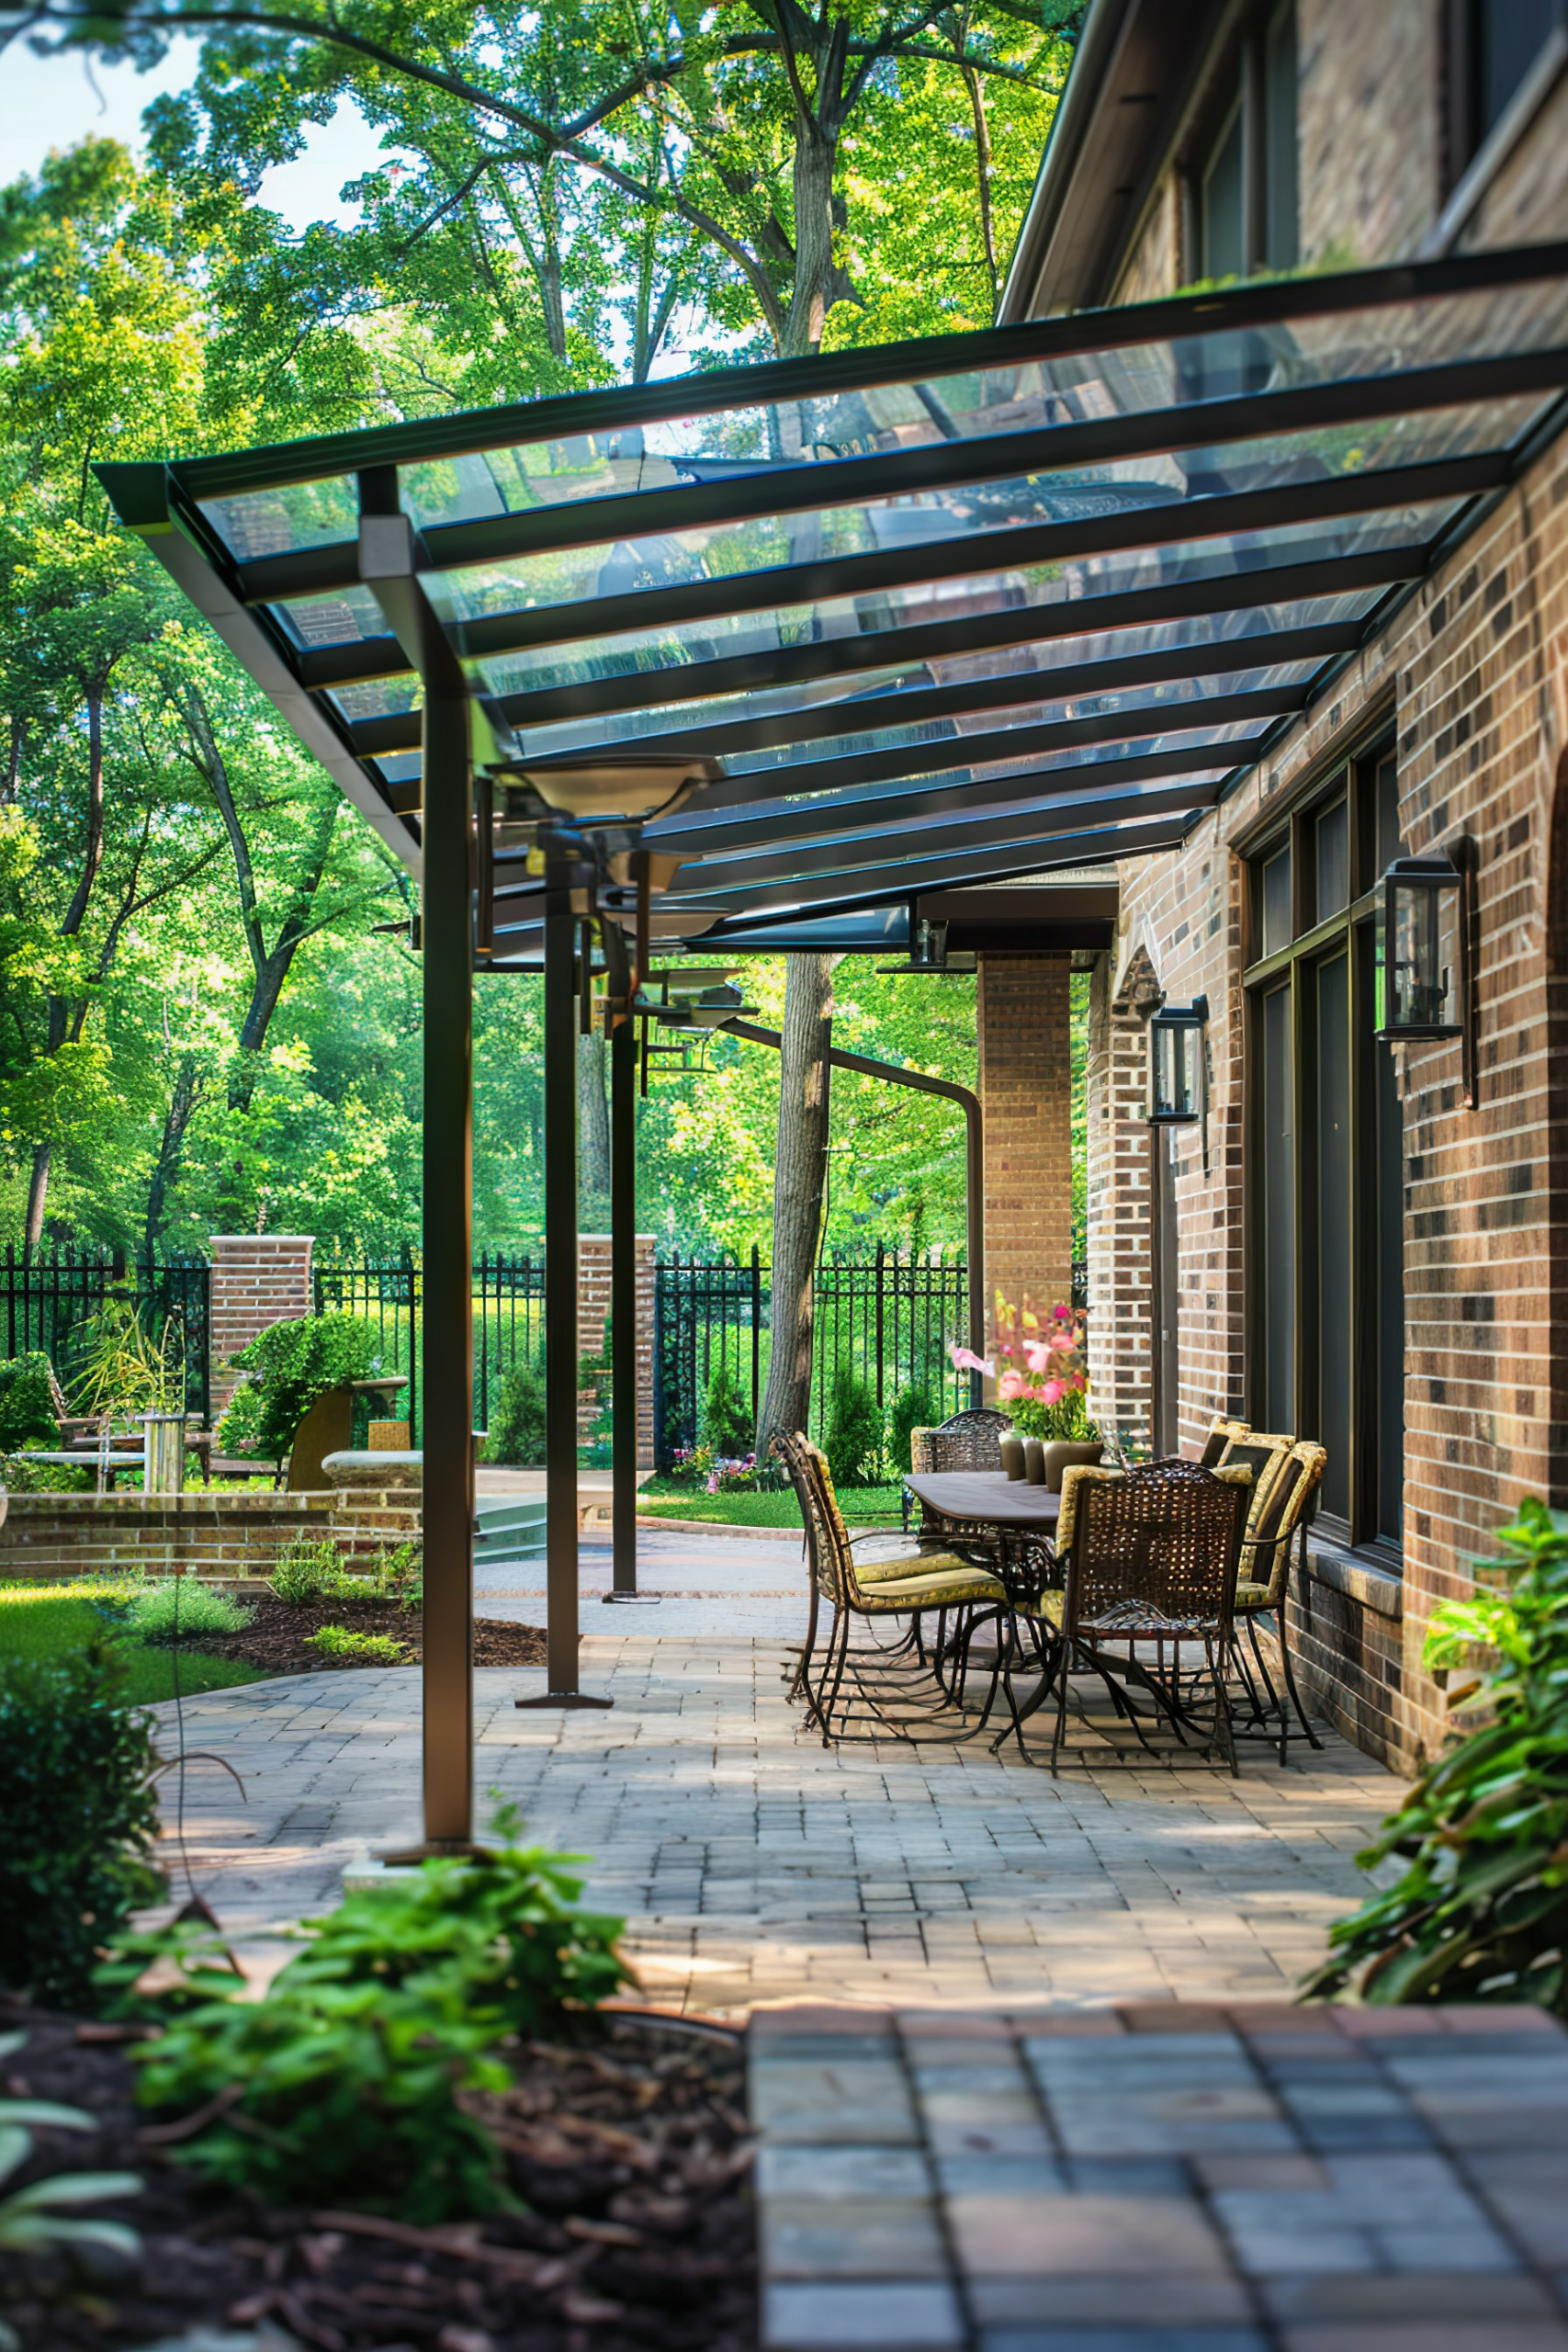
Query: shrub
point(912, 1409)
point(26, 1403)
point(370, 1649)
point(1068, 1417)
point(339, 2087)
point(727, 1427)
point(517, 1418)
point(292, 1365)
point(854, 1427)
point(1480, 1912)
point(181, 1607)
point(24, 1473)
point(305, 1571)
point(238, 1429)
point(77, 1820)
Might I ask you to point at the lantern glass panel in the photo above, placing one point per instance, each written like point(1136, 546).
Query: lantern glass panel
point(1175, 1045)
point(1422, 948)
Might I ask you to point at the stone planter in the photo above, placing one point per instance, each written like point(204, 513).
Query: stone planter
point(1064, 1451)
point(164, 1435)
point(356, 1468)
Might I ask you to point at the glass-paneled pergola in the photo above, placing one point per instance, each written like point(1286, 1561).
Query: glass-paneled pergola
point(773, 656)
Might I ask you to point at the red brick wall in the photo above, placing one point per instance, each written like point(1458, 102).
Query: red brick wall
point(258, 1279)
point(1120, 1292)
point(1026, 1105)
point(593, 1306)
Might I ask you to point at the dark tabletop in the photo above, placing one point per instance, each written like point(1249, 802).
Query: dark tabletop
point(985, 1494)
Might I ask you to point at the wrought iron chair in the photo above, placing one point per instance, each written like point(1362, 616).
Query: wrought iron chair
point(968, 1441)
point(1149, 1558)
point(1278, 1517)
point(883, 1681)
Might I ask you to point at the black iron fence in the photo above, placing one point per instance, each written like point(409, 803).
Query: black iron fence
point(50, 1300)
point(881, 1316)
point(509, 1317)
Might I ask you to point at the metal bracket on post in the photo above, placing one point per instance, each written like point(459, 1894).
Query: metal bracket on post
point(564, 862)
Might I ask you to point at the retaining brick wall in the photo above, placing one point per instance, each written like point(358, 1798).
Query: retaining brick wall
point(594, 1307)
point(225, 1537)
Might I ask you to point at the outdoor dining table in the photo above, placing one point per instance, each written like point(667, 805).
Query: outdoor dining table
point(1024, 1518)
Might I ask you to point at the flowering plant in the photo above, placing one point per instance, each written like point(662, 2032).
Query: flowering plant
point(1041, 1380)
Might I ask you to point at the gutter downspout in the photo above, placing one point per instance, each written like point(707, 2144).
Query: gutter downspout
point(974, 1165)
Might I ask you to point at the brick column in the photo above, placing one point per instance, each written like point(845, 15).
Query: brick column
point(1121, 1240)
point(258, 1279)
point(1026, 1099)
point(592, 1308)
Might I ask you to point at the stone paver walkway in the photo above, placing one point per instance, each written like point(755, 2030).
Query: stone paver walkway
point(752, 1865)
point(1263, 2180)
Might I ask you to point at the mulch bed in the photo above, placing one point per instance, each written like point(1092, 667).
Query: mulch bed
point(276, 1639)
point(626, 2146)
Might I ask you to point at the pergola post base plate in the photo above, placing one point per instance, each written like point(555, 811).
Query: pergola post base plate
point(563, 1699)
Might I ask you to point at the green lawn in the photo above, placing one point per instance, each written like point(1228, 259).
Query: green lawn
point(860, 1505)
point(53, 1620)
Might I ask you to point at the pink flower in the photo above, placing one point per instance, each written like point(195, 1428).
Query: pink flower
point(965, 1360)
point(1061, 1314)
point(1063, 1340)
point(1038, 1353)
point(1053, 1390)
point(1011, 1385)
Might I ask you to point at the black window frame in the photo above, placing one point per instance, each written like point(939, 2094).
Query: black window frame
point(1248, 100)
point(1470, 119)
point(1347, 932)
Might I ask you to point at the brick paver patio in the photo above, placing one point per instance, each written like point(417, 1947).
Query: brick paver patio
point(752, 1865)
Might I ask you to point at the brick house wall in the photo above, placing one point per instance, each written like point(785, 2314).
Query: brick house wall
point(1025, 1088)
point(1471, 673)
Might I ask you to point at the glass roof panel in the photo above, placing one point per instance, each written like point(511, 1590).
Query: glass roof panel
point(382, 699)
point(984, 402)
point(351, 618)
point(491, 592)
point(296, 514)
point(987, 511)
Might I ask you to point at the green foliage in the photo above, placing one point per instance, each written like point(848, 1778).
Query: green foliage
point(27, 1405)
point(125, 1370)
point(339, 2087)
point(23, 1473)
point(306, 1570)
point(1068, 1417)
point(516, 1433)
point(1481, 1912)
point(727, 1427)
point(293, 1364)
point(29, 2220)
point(182, 1608)
point(77, 1819)
point(370, 1649)
point(852, 1437)
point(309, 1571)
point(238, 1434)
point(914, 1408)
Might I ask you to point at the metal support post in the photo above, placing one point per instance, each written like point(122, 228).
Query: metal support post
point(623, 1312)
point(561, 1286)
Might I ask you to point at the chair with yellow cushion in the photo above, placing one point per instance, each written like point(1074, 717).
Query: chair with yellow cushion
point(1149, 1558)
point(1280, 1516)
point(892, 1590)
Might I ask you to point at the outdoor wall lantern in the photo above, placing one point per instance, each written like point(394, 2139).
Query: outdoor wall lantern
point(1176, 1063)
point(1424, 937)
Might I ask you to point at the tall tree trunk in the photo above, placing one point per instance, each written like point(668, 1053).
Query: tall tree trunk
point(983, 172)
point(37, 1192)
point(800, 1169)
point(182, 1103)
point(592, 1126)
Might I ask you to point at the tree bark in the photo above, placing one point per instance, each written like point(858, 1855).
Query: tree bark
point(798, 1174)
point(592, 1126)
point(176, 1119)
point(37, 1192)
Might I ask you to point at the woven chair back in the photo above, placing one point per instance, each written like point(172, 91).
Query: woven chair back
point(967, 1440)
point(1266, 1554)
point(834, 1562)
point(792, 1446)
point(1155, 1549)
point(1222, 1430)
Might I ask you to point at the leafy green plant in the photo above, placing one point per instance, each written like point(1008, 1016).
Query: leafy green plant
point(726, 1426)
point(126, 1370)
point(30, 2221)
point(176, 1608)
point(305, 1571)
point(340, 2085)
point(292, 1365)
point(516, 1433)
point(1481, 1912)
point(341, 1641)
point(308, 1571)
point(238, 1433)
point(24, 1473)
point(913, 1408)
point(27, 1402)
point(77, 1820)
point(854, 1427)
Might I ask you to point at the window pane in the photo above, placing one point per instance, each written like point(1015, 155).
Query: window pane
point(1224, 253)
point(1278, 1215)
point(1279, 142)
point(1390, 842)
point(1508, 34)
point(1332, 861)
point(1277, 929)
point(1331, 1176)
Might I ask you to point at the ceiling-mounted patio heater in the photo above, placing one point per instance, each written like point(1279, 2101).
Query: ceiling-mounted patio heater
point(1176, 1063)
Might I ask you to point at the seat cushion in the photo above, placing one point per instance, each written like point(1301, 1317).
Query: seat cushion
point(1249, 1595)
point(908, 1562)
point(943, 1590)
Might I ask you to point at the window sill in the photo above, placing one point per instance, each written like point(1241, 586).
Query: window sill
point(1354, 1575)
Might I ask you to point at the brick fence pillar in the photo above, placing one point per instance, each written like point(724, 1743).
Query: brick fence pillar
point(1026, 1100)
point(592, 1308)
point(258, 1279)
